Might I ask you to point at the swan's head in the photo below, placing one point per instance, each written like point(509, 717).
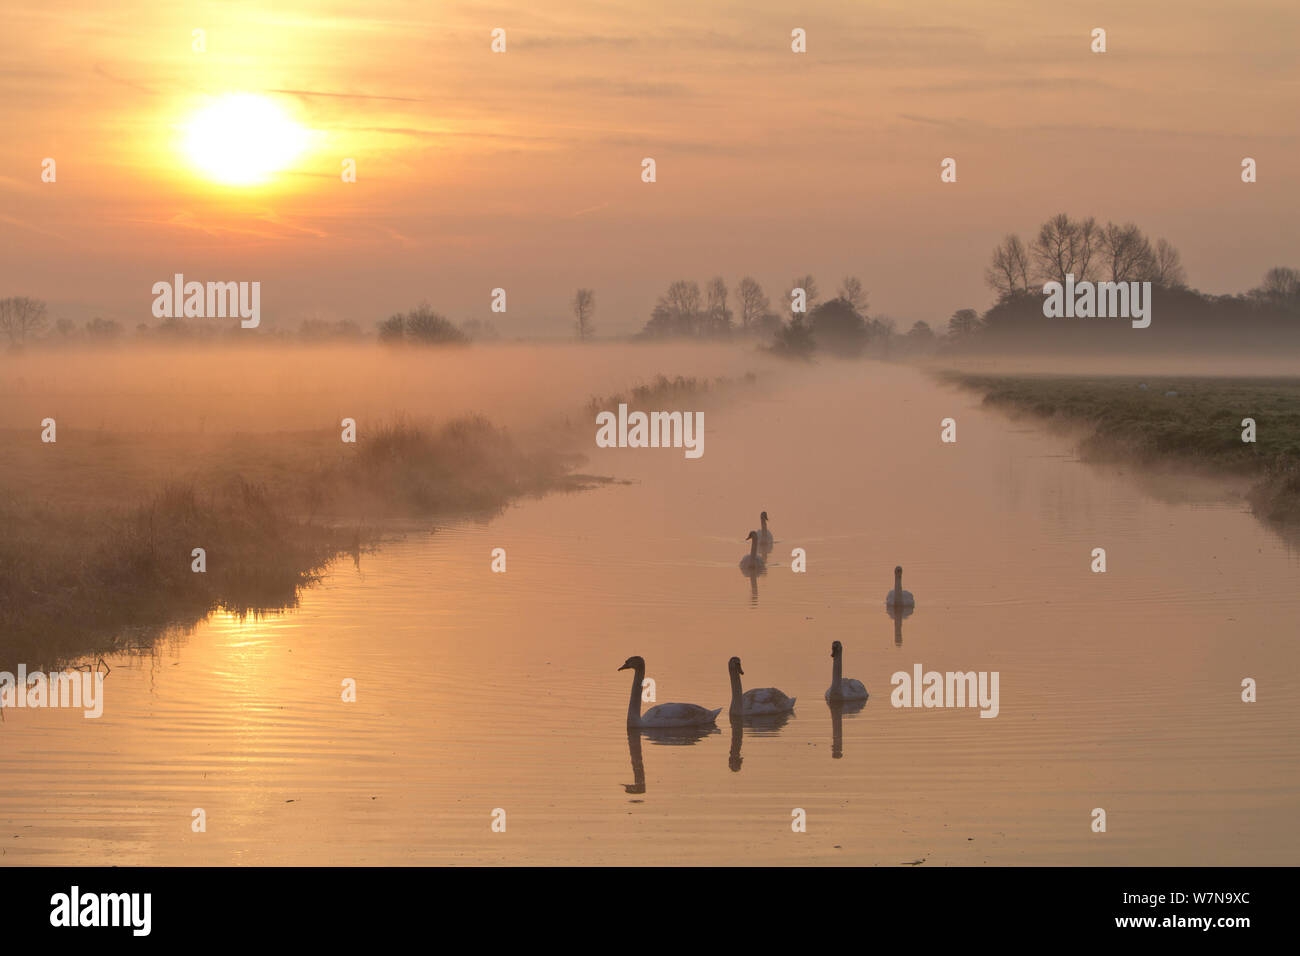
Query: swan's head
point(733, 666)
point(836, 649)
point(752, 536)
point(898, 572)
point(763, 516)
point(633, 664)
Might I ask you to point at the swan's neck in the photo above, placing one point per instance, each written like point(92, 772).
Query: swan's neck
point(634, 703)
point(837, 672)
point(764, 521)
point(753, 546)
point(737, 695)
point(898, 587)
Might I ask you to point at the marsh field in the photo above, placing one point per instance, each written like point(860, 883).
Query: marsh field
point(478, 690)
point(1195, 423)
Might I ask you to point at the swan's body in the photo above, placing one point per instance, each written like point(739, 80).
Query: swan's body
point(898, 597)
point(759, 702)
point(753, 561)
point(678, 715)
point(843, 688)
point(662, 715)
point(764, 536)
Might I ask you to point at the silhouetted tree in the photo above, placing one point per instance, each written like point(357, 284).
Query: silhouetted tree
point(103, 330)
point(964, 322)
point(1065, 246)
point(717, 315)
point(427, 327)
point(393, 328)
point(837, 327)
point(880, 328)
point(584, 307)
point(754, 303)
point(1008, 273)
point(852, 292)
point(422, 326)
point(21, 317)
point(678, 312)
point(794, 339)
point(1281, 287)
point(1126, 254)
point(1167, 267)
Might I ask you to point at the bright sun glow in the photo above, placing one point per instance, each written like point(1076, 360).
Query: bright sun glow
point(242, 139)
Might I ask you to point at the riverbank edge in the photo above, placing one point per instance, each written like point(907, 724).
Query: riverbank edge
point(1107, 436)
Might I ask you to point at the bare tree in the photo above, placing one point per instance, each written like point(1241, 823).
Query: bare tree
point(683, 301)
point(1008, 273)
point(754, 303)
point(677, 312)
point(1166, 267)
point(584, 307)
point(1065, 247)
point(427, 327)
point(852, 292)
point(1126, 253)
point(963, 323)
point(1281, 285)
point(719, 316)
point(21, 317)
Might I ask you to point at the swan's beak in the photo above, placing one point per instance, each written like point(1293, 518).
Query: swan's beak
point(623, 668)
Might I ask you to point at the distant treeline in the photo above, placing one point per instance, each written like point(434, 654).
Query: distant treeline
point(839, 325)
point(804, 323)
point(1182, 318)
point(1082, 248)
point(26, 321)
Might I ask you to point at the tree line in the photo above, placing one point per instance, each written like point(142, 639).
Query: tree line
point(1110, 252)
point(1016, 270)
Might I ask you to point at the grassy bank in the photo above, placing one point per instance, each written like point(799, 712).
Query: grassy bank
point(665, 394)
point(97, 530)
point(1198, 427)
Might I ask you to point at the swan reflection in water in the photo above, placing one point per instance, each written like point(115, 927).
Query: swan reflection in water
point(752, 565)
point(898, 614)
point(670, 736)
point(845, 696)
point(768, 725)
point(838, 709)
point(638, 766)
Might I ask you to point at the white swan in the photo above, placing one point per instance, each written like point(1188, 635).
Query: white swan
point(662, 715)
point(898, 597)
point(843, 688)
point(757, 702)
point(764, 536)
point(753, 561)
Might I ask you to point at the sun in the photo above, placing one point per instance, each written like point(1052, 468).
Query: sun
point(242, 139)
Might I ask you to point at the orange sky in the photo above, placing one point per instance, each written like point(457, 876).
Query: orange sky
point(522, 170)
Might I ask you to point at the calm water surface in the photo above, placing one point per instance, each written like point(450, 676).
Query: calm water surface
point(479, 691)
